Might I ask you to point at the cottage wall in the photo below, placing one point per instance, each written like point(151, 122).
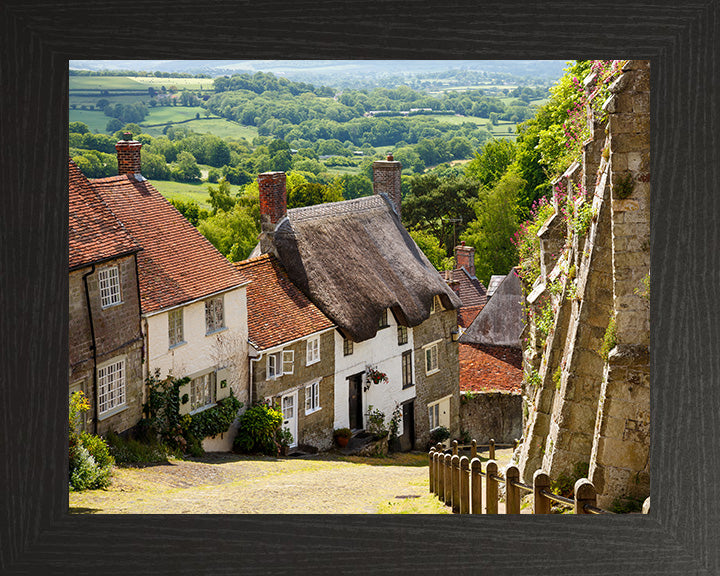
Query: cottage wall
point(315, 429)
point(200, 352)
point(445, 382)
point(117, 336)
point(384, 354)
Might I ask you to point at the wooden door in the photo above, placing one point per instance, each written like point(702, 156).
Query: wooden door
point(355, 401)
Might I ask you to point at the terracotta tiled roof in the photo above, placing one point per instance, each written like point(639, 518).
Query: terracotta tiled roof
point(466, 315)
point(278, 312)
point(95, 233)
point(490, 368)
point(177, 264)
point(469, 288)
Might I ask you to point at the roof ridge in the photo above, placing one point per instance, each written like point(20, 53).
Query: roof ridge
point(252, 261)
point(353, 206)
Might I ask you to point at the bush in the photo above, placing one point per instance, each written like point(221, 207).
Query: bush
point(257, 428)
point(85, 473)
point(439, 434)
point(136, 450)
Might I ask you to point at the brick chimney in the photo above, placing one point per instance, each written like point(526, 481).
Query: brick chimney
point(386, 180)
point(465, 258)
point(273, 206)
point(128, 156)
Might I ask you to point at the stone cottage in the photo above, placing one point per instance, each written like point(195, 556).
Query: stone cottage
point(193, 301)
point(292, 353)
point(394, 314)
point(105, 338)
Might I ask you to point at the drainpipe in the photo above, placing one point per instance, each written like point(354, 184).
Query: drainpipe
point(250, 387)
point(93, 347)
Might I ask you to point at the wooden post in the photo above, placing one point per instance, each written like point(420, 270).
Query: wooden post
point(473, 449)
point(492, 448)
point(464, 485)
point(431, 470)
point(491, 488)
point(475, 486)
point(438, 472)
point(448, 482)
point(512, 493)
point(440, 468)
point(455, 463)
point(455, 447)
point(541, 504)
point(584, 494)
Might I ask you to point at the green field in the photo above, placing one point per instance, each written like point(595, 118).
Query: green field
point(104, 83)
point(204, 84)
point(165, 114)
point(95, 120)
point(453, 119)
point(185, 192)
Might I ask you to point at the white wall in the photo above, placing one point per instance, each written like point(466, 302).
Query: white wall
point(201, 352)
point(383, 353)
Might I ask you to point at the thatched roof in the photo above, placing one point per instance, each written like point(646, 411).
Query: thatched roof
point(354, 259)
point(500, 322)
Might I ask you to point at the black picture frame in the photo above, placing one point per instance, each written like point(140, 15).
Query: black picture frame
point(682, 532)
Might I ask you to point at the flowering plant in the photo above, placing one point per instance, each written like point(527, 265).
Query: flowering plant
point(374, 376)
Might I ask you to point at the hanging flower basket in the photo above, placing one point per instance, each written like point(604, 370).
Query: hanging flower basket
point(374, 376)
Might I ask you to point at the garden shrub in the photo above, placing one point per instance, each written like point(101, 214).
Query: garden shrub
point(85, 473)
point(136, 450)
point(90, 461)
point(257, 428)
point(439, 434)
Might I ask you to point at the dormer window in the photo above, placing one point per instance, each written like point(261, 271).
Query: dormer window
point(402, 335)
point(383, 319)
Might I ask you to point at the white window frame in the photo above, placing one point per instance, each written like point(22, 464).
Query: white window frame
point(109, 287)
point(112, 392)
point(439, 413)
point(430, 366)
point(288, 361)
point(214, 307)
point(272, 367)
point(434, 415)
point(312, 397)
point(209, 391)
point(312, 351)
point(174, 329)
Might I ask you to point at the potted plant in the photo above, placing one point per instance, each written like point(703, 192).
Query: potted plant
point(283, 438)
point(342, 436)
point(374, 376)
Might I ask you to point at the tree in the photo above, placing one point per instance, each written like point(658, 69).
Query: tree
point(113, 125)
point(491, 162)
point(186, 168)
point(497, 222)
point(430, 246)
point(154, 166)
point(234, 232)
point(220, 197)
point(78, 128)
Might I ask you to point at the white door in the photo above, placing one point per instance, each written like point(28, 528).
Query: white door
point(289, 410)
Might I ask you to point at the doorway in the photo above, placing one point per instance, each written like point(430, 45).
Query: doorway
point(289, 410)
point(407, 439)
point(355, 401)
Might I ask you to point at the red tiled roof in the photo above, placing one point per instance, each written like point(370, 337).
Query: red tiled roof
point(469, 288)
point(278, 312)
point(466, 314)
point(490, 368)
point(177, 264)
point(94, 232)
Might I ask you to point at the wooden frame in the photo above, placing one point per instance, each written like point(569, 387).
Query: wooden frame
point(680, 534)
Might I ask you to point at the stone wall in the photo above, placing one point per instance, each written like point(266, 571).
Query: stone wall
point(444, 382)
point(117, 336)
point(581, 405)
point(486, 415)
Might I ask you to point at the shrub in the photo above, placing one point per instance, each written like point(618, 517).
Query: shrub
point(376, 422)
point(256, 430)
point(136, 450)
point(98, 449)
point(564, 484)
point(85, 473)
point(439, 434)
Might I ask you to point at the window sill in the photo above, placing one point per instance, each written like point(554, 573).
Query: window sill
point(111, 305)
point(173, 346)
point(432, 372)
point(313, 362)
point(408, 386)
point(202, 409)
point(307, 412)
point(216, 331)
point(111, 412)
